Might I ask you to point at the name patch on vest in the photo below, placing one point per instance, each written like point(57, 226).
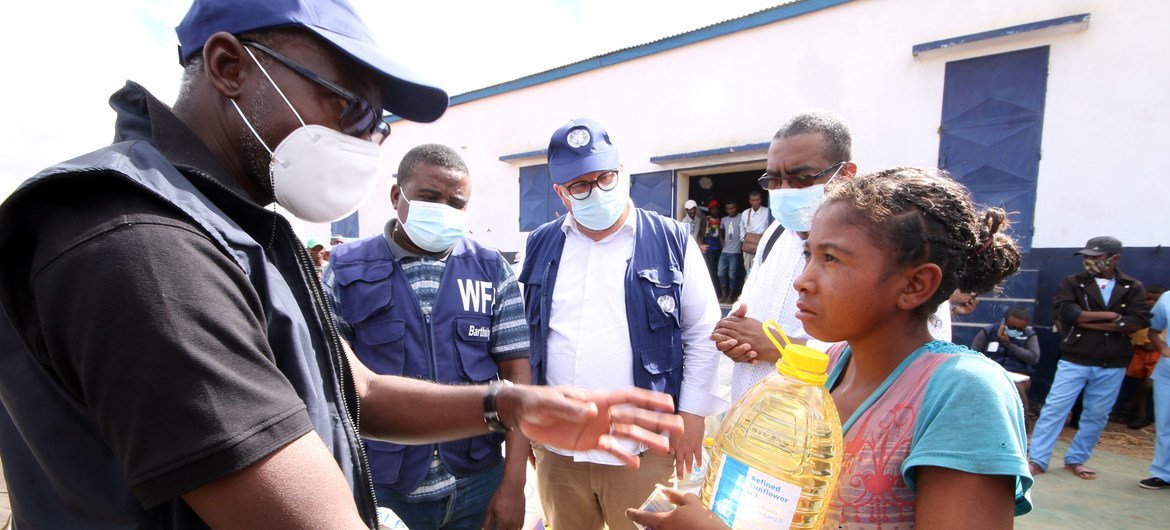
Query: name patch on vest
point(477, 295)
point(476, 329)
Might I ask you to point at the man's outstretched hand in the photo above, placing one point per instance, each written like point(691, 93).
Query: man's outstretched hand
point(583, 420)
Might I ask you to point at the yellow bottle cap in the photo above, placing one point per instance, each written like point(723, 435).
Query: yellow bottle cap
point(796, 360)
point(708, 442)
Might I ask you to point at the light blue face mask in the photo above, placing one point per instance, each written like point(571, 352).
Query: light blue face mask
point(601, 209)
point(1014, 333)
point(794, 207)
point(434, 227)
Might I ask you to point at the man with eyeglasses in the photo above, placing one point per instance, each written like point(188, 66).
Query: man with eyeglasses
point(170, 360)
point(807, 153)
point(616, 297)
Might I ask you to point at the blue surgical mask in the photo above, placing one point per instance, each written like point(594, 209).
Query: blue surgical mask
point(434, 227)
point(601, 209)
point(1014, 333)
point(794, 207)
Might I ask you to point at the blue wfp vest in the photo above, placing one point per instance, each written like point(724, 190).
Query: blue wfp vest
point(70, 449)
point(392, 336)
point(653, 289)
point(1003, 357)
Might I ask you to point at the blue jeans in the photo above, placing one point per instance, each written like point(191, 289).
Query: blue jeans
point(464, 509)
point(1160, 467)
point(729, 267)
point(1100, 386)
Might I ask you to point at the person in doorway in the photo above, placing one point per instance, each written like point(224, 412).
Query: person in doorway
point(712, 242)
point(933, 432)
point(615, 298)
point(731, 258)
point(1097, 310)
point(1013, 344)
point(195, 378)
point(1135, 413)
point(755, 221)
point(694, 219)
point(1160, 467)
point(400, 298)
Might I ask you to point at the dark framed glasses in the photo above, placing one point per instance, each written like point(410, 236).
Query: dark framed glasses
point(770, 182)
point(582, 189)
point(358, 118)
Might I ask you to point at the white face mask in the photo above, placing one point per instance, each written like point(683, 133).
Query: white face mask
point(317, 173)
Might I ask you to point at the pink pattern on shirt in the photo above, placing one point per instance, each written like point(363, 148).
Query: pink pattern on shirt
point(871, 492)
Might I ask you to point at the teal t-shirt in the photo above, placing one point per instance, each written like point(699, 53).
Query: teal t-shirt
point(945, 406)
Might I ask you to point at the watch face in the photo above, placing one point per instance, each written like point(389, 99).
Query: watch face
point(577, 138)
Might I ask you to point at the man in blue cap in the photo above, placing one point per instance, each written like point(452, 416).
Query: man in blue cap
point(169, 358)
point(616, 297)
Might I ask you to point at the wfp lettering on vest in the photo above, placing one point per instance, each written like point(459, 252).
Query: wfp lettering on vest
point(482, 331)
point(476, 295)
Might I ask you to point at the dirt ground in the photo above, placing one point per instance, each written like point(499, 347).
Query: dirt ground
point(1137, 443)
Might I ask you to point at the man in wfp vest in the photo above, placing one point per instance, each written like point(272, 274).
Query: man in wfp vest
point(169, 359)
point(616, 297)
point(423, 300)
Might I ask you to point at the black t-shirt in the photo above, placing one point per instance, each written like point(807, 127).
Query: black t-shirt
point(149, 326)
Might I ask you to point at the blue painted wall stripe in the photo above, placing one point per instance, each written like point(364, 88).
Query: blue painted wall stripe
point(711, 152)
point(1012, 30)
point(526, 154)
point(754, 20)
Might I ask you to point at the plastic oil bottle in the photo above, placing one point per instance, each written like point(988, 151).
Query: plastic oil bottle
point(777, 456)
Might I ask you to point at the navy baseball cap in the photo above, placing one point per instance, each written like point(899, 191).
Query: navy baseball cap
point(1099, 246)
point(579, 147)
point(404, 93)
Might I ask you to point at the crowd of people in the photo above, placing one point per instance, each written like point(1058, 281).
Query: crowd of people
point(247, 379)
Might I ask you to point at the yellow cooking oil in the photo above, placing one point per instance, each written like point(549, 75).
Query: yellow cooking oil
point(776, 458)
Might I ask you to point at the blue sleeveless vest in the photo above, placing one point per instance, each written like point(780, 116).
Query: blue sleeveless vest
point(304, 342)
point(1005, 359)
point(653, 296)
point(392, 336)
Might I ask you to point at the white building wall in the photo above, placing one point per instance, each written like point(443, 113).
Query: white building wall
point(1105, 117)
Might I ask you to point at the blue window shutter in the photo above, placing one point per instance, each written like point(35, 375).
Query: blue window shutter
point(347, 227)
point(539, 204)
point(654, 191)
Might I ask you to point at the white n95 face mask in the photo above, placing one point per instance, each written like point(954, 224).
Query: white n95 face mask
point(318, 174)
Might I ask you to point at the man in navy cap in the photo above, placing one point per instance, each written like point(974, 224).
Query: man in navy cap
point(1095, 311)
point(616, 297)
point(170, 360)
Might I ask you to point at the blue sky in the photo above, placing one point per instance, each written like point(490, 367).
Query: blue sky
point(64, 58)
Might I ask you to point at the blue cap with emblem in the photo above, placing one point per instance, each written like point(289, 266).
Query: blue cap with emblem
point(403, 92)
point(579, 147)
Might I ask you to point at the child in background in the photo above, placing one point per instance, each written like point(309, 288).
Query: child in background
point(1145, 358)
point(934, 432)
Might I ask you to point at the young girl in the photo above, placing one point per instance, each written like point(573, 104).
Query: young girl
point(934, 432)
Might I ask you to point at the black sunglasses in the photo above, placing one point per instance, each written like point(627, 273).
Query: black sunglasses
point(359, 117)
point(769, 182)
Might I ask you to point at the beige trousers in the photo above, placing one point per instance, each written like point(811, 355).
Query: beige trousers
point(586, 496)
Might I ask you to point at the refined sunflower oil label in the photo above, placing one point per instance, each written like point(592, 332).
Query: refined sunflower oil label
point(748, 498)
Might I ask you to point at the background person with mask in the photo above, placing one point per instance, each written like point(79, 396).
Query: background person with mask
point(1096, 311)
point(424, 301)
point(807, 153)
point(216, 391)
point(616, 297)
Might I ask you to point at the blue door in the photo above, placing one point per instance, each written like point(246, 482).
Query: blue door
point(992, 116)
point(654, 191)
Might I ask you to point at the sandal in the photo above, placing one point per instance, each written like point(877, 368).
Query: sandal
point(1081, 471)
point(1035, 469)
